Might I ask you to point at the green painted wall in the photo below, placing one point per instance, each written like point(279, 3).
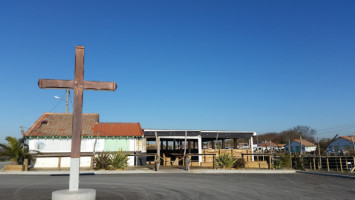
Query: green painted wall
point(117, 144)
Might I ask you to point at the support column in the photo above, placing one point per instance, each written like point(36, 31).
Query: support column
point(157, 140)
point(235, 143)
point(199, 145)
point(223, 144)
point(174, 144)
point(167, 145)
point(251, 147)
point(189, 145)
point(212, 142)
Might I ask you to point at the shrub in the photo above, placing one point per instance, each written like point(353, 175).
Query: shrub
point(119, 160)
point(108, 161)
point(282, 162)
point(225, 161)
point(102, 161)
point(239, 163)
point(298, 163)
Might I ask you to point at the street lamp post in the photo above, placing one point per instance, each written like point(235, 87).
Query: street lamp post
point(66, 102)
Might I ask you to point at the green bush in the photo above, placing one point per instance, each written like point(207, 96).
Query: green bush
point(282, 162)
point(102, 161)
point(225, 161)
point(239, 163)
point(298, 163)
point(108, 161)
point(119, 160)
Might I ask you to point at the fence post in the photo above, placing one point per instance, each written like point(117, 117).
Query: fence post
point(341, 164)
point(214, 163)
point(269, 161)
point(60, 160)
point(314, 163)
point(25, 163)
point(346, 163)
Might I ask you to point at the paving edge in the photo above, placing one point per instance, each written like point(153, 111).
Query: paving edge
point(196, 171)
point(326, 174)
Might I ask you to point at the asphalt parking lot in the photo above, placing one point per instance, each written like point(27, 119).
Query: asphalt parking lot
point(184, 186)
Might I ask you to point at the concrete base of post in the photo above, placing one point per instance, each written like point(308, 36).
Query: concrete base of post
point(81, 194)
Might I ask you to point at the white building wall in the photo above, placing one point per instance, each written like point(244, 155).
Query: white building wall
point(53, 162)
point(51, 145)
point(295, 147)
point(63, 145)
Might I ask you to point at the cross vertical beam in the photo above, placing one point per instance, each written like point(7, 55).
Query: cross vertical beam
point(78, 102)
point(77, 119)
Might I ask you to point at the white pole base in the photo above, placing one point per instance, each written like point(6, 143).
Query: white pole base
point(81, 194)
point(74, 174)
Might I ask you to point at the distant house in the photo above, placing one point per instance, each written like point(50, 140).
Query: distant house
point(51, 135)
point(307, 146)
point(269, 145)
point(342, 143)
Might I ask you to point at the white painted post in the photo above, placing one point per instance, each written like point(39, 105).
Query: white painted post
point(74, 174)
point(251, 146)
point(199, 144)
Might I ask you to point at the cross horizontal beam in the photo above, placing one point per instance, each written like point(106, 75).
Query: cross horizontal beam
point(69, 84)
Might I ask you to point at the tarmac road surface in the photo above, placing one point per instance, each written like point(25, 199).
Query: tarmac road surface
point(184, 186)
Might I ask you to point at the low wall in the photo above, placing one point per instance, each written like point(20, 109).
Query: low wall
point(237, 153)
point(14, 167)
point(64, 162)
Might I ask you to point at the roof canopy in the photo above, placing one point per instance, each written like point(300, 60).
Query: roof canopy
point(204, 134)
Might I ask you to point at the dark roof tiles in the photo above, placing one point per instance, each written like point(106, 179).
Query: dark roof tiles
point(60, 124)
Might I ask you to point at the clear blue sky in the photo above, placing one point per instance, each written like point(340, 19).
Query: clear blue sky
point(222, 65)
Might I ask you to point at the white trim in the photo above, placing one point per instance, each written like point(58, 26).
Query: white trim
point(202, 131)
point(167, 130)
point(180, 137)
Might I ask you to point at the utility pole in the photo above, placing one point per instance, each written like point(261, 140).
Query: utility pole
point(301, 149)
point(67, 102)
point(352, 139)
point(289, 151)
point(23, 138)
point(320, 158)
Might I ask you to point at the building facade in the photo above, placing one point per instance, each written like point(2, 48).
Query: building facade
point(342, 144)
point(307, 146)
point(51, 136)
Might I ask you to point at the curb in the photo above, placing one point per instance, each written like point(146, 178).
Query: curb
point(196, 171)
point(326, 174)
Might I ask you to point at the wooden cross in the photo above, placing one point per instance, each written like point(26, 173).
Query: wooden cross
point(79, 85)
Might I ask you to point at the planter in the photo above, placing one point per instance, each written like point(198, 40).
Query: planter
point(15, 168)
